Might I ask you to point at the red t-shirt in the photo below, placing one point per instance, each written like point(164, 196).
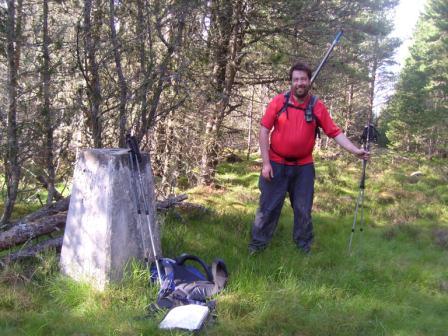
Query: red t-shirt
point(292, 136)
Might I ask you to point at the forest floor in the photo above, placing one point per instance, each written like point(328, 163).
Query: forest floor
point(395, 282)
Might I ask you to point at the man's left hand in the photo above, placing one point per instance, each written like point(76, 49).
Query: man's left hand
point(362, 154)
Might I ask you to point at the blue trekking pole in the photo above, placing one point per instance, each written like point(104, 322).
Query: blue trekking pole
point(324, 60)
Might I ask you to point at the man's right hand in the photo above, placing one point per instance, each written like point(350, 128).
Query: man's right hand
point(267, 172)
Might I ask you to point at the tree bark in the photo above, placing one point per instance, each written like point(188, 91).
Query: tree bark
point(145, 67)
point(159, 79)
point(11, 160)
point(167, 183)
point(349, 114)
point(372, 82)
point(26, 231)
point(250, 120)
point(46, 108)
point(92, 71)
point(121, 80)
point(228, 26)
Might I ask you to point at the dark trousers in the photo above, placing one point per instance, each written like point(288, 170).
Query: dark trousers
point(298, 181)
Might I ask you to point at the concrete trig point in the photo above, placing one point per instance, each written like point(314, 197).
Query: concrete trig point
point(103, 232)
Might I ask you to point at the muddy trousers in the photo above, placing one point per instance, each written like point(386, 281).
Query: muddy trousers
point(298, 181)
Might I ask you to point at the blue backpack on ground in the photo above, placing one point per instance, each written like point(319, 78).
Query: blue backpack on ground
point(184, 283)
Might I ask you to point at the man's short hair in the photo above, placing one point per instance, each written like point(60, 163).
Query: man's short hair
point(300, 66)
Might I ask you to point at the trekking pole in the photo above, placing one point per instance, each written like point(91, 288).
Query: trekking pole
point(136, 158)
point(327, 54)
point(137, 202)
point(370, 134)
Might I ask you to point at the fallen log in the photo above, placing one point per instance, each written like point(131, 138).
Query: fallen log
point(52, 218)
point(22, 232)
point(48, 210)
point(32, 251)
point(62, 205)
point(170, 202)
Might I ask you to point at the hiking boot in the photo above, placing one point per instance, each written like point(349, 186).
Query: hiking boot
point(305, 251)
point(254, 251)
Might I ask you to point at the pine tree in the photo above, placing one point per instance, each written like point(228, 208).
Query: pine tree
point(416, 118)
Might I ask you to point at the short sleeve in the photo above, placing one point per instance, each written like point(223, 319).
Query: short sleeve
point(325, 121)
point(272, 109)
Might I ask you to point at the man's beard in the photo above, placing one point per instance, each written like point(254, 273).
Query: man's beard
point(304, 93)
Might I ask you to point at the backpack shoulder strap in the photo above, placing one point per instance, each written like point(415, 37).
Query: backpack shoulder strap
point(220, 275)
point(309, 114)
point(285, 105)
point(166, 268)
point(184, 257)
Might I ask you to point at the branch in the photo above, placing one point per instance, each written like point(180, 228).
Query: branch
point(32, 251)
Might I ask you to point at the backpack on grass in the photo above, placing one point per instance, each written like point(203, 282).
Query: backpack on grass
point(183, 283)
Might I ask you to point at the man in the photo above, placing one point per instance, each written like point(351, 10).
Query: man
point(288, 161)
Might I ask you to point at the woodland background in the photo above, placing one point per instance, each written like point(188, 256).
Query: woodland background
point(191, 79)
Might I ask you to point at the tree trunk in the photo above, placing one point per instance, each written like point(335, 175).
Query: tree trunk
point(373, 70)
point(167, 174)
point(145, 67)
point(121, 79)
point(228, 28)
point(209, 153)
point(349, 115)
point(11, 160)
point(250, 119)
point(159, 79)
point(92, 71)
point(46, 108)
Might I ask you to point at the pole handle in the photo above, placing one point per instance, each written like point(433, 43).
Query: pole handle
point(133, 147)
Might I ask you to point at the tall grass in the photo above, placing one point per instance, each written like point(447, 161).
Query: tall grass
point(394, 283)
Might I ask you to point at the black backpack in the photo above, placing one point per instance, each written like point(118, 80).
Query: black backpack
point(309, 114)
point(184, 284)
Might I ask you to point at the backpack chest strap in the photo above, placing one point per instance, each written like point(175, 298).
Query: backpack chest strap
point(309, 114)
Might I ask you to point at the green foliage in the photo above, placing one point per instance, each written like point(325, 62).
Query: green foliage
point(394, 283)
point(416, 117)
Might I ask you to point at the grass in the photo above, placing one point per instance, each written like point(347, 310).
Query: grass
point(30, 200)
point(394, 283)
